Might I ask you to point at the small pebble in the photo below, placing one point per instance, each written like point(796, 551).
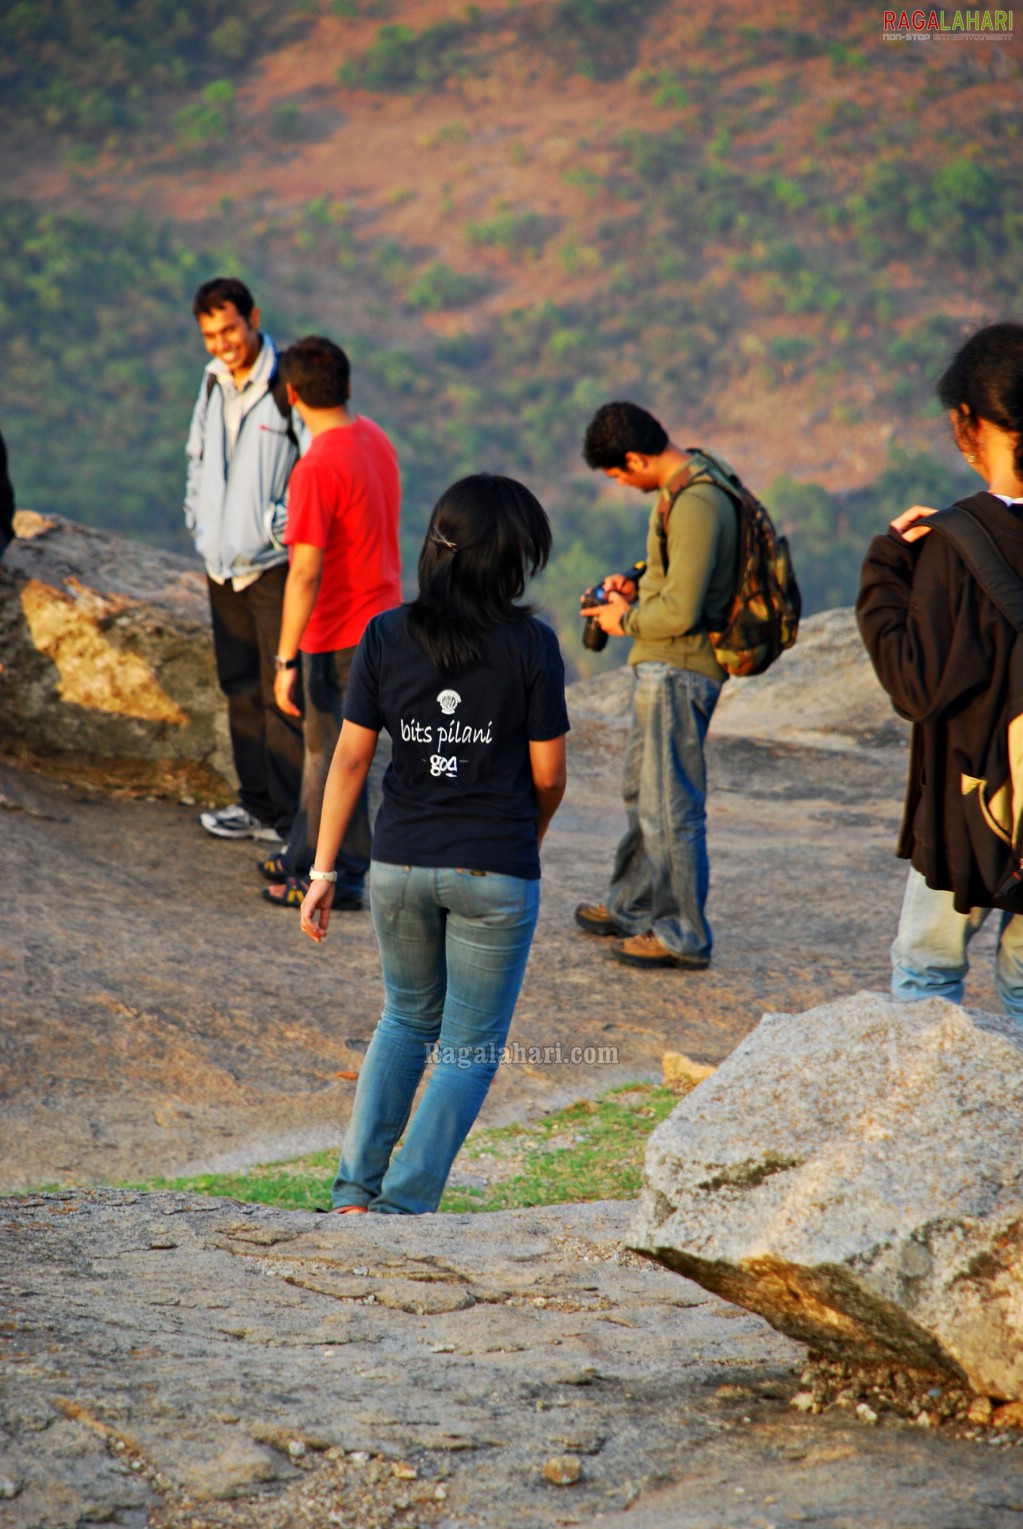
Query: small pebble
point(296, 1449)
point(404, 1471)
point(867, 1414)
point(8, 1488)
point(802, 1401)
point(563, 1470)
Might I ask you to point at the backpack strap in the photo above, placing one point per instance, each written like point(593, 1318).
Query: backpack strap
point(278, 390)
point(687, 475)
point(979, 550)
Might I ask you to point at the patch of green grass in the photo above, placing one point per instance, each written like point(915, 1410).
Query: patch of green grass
point(592, 1150)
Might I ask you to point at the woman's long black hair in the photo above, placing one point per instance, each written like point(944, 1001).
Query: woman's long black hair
point(487, 536)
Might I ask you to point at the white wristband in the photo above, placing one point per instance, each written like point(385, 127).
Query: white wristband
point(323, 875)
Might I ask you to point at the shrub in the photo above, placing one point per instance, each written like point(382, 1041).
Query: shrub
point(286, 120)
point(440, 287)
point(208, 121)
point(402, 59)
point(515, 232)
point(599, 39)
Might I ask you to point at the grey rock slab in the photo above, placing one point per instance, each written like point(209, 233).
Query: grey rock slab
point(854, 1174)
point(257, 1363)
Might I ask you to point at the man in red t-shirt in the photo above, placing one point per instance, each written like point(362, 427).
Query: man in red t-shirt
point(342, 535)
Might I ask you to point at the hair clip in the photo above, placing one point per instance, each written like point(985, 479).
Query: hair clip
point(441, 541)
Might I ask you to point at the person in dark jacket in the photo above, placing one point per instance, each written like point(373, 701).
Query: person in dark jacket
point(952, 664)
point(6, 501)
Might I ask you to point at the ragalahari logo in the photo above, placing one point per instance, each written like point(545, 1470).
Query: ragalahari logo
point(978, 26)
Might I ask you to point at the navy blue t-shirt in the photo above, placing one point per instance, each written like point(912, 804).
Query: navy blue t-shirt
point(459, 789)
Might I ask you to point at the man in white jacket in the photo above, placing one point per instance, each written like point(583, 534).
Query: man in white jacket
point(242, 445)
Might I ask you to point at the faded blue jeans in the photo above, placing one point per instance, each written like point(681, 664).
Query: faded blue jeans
point(929, 955)
point(453, 946)
point(661, 872)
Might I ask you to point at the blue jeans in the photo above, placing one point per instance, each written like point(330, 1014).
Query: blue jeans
point(324, 681)
point(929, 958)
point(453, 946)
point(661, 873)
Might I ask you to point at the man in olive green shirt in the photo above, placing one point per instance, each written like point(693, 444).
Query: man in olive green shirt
point(661, 873)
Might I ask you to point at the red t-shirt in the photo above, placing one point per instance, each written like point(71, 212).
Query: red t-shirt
point(343, 497)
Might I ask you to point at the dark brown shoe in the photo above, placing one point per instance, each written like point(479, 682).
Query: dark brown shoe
point(647, 950)
point(595, 919)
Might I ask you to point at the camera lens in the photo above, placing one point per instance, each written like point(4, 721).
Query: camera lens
point(594, 636)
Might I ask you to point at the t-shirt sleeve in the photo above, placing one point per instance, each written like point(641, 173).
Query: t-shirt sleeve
point(362, 695)
point(308, 509)
point(547, 714)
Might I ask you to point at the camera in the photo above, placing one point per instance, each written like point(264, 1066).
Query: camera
point(594, 636)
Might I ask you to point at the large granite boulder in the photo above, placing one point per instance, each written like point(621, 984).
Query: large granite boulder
point(105, 651)
point(855, 1175)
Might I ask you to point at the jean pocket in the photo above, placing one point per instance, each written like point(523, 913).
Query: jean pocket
point(388, 888)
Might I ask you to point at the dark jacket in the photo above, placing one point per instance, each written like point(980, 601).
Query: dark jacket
point(953, 666)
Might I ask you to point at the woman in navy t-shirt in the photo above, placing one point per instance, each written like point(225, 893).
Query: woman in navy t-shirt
point(471, 688)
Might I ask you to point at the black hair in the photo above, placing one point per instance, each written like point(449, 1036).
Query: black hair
point(985, 377)
point(221, 291)
point(319, 372)
point(618, 428)
point(487, 536)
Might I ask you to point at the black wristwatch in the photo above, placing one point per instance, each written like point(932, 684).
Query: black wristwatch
point(285, 663)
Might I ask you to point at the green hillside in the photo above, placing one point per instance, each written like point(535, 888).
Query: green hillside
point(508, 213)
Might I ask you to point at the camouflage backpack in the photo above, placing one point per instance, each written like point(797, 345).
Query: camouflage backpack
point(762, 617)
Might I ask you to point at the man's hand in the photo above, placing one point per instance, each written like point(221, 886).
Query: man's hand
point(284, 692)
point(907, 524)
point(316, 905)
point(609, 616)
point(621, 583)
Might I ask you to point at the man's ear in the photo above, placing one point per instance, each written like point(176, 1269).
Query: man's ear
point(254, 318)
point(636, 462)
point(292, 395)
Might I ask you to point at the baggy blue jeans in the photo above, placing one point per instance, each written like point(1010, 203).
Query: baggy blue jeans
point(453, 946)
point(661, 873)
point(929, 955)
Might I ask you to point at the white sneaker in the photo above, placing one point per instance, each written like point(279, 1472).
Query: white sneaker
point(235, 822)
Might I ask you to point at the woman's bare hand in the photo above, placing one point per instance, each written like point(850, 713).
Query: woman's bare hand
point(906, 525)
point(316, 906)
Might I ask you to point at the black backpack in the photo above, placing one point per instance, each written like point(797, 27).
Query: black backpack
point(762, 617)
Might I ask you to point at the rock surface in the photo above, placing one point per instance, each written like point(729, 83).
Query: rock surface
point(105, 650)
point(173, 1362)
point(157, 1017)
point(854, 1175)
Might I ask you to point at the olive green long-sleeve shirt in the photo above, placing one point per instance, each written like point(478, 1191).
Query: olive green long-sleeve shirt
point(667, 622)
